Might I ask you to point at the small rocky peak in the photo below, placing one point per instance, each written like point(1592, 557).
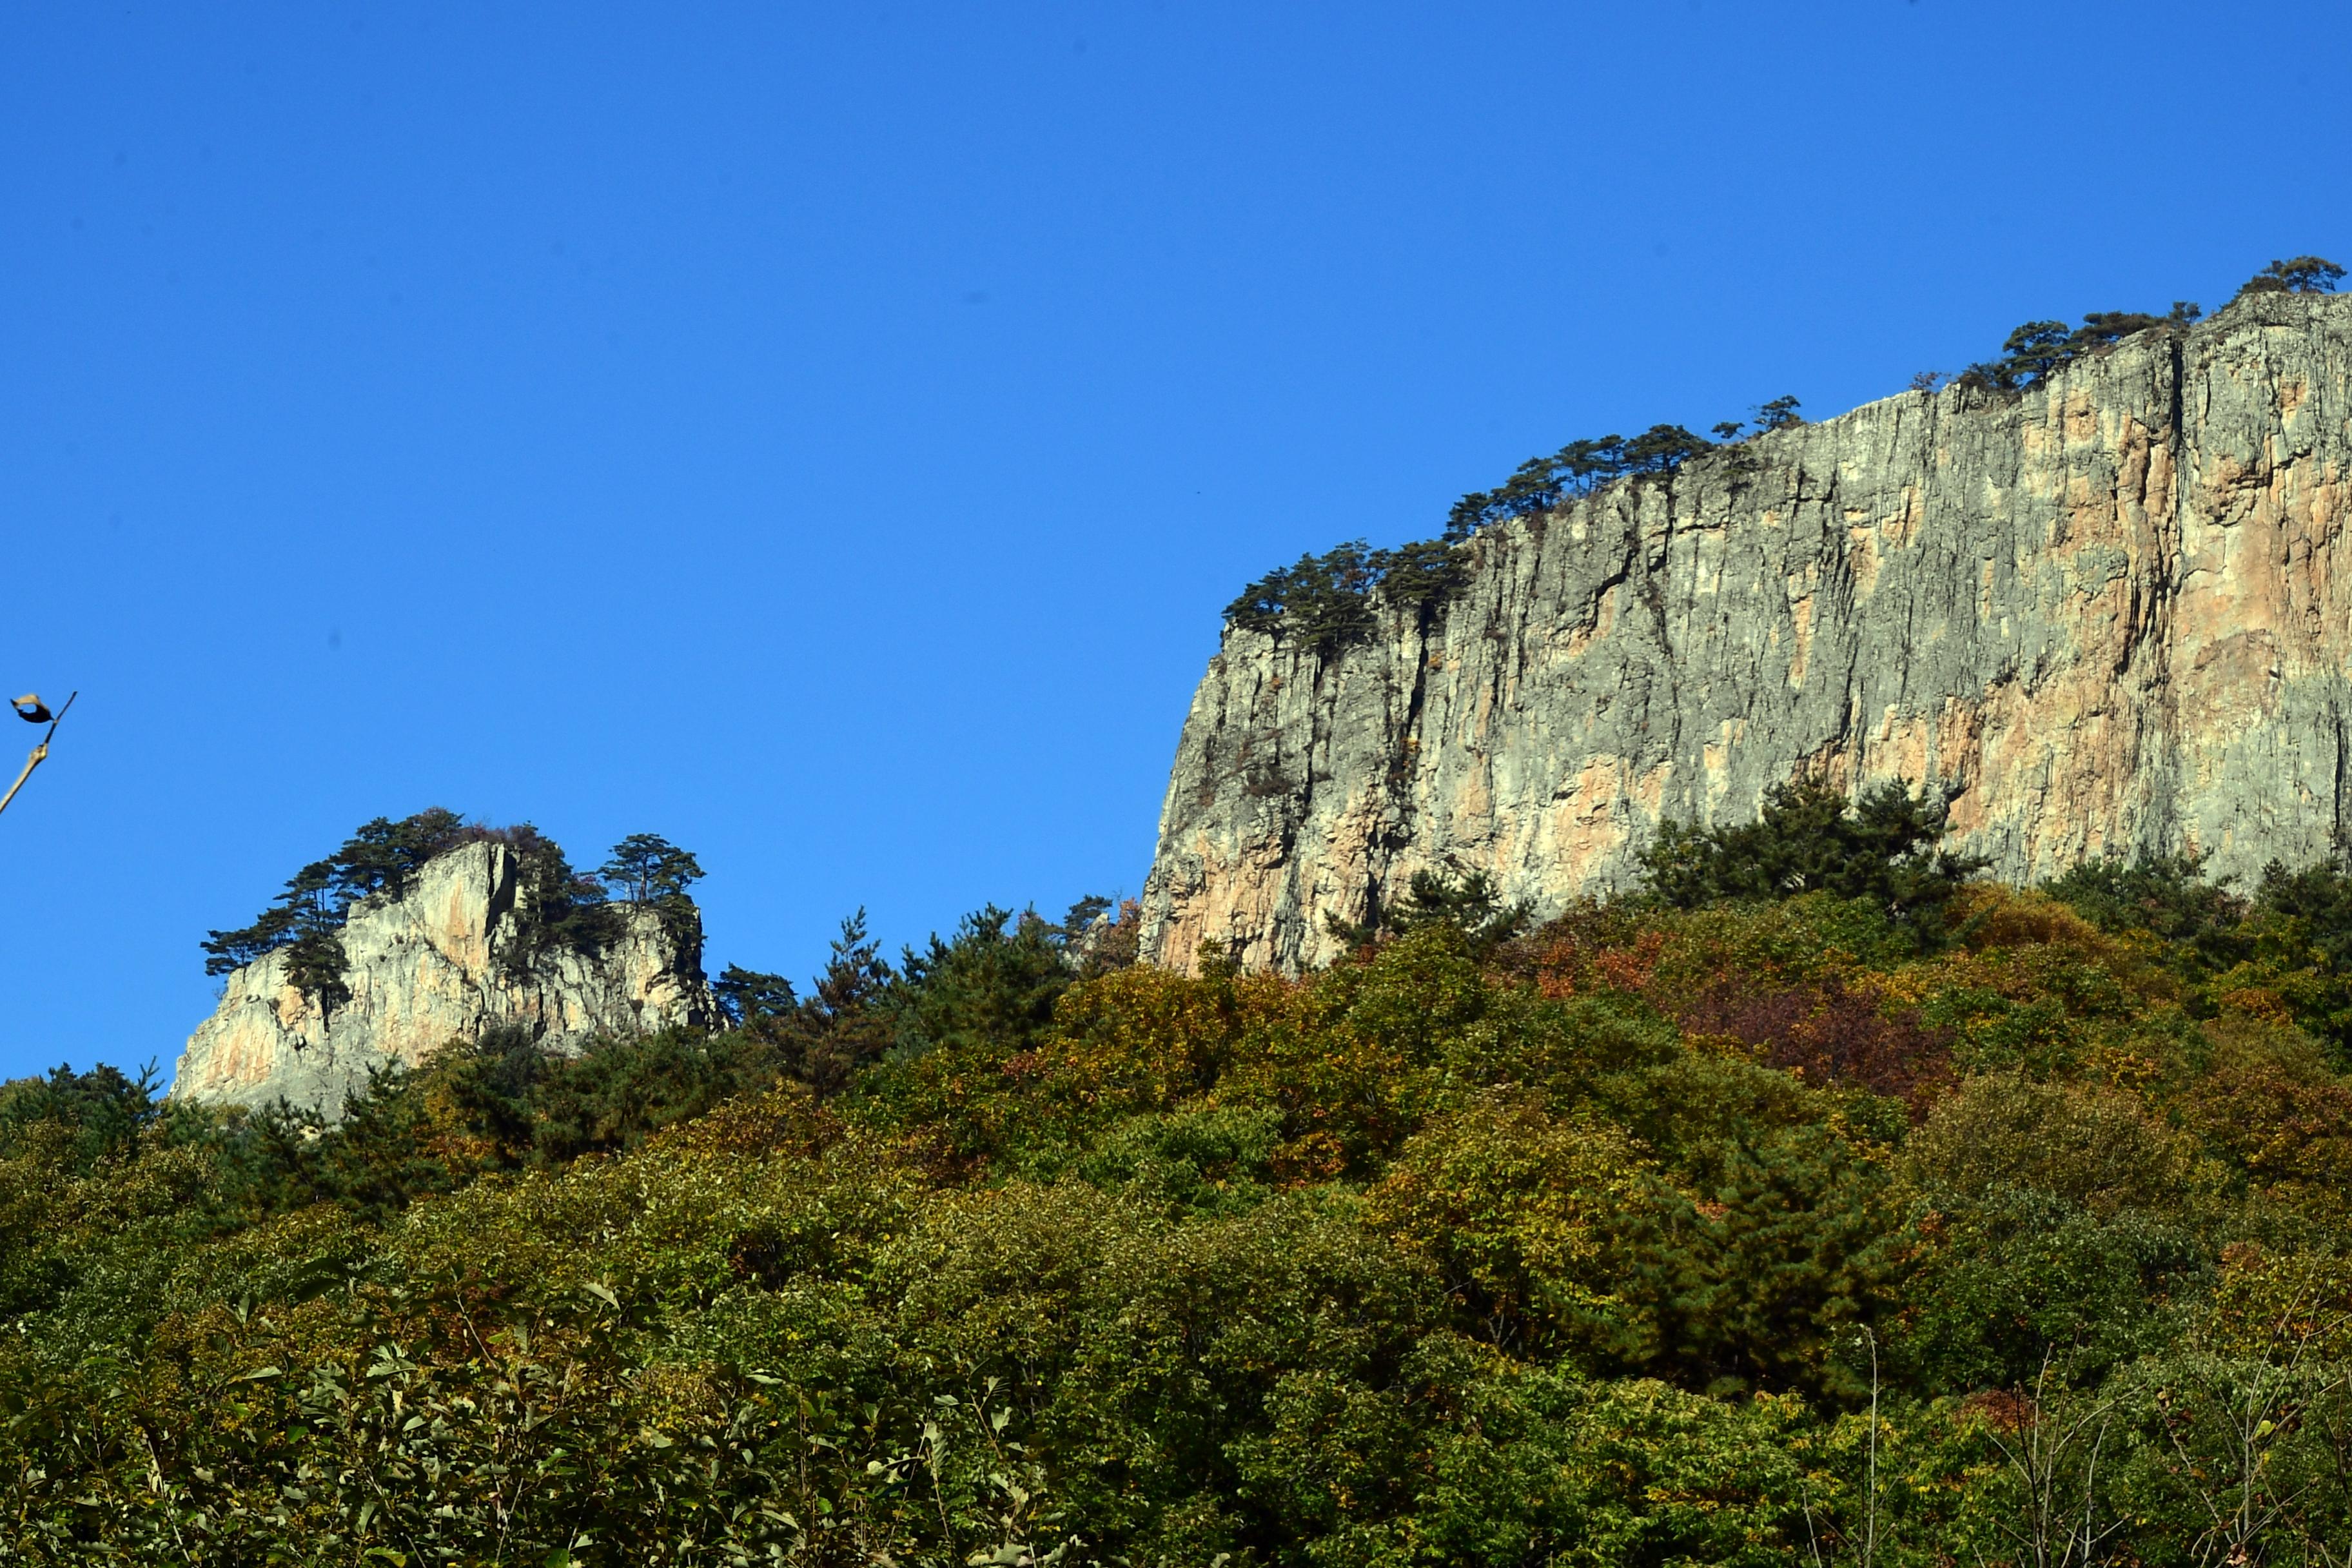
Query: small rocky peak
point(430, 929)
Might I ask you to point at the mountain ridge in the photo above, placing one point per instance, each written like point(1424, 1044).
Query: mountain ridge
point(2105, 612)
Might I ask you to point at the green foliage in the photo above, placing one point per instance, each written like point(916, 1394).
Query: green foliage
point(2282, 951)
point(1099, 938)
point(2016, 1280)
point(2039, 350)
point(1517, 1210)
point(1777, 415)
point(1719, 1234)
point(380, 858)
point(2317, 898)
point(1469, 904)
point(556, 907)
point(2061, 1216)
point(2302, 275)
point(645, 868)
point(985, 989)
point(1578, 468)
point(377, 1159)
point(752, 995)
point(501, 1104)
point(2169, 896)
point(1215, 1160)
point(1809, 838)
point(1751, 1278)
point(1325, 602)
point(87, 1116)
point(846, 1022)
point(2097, 1149)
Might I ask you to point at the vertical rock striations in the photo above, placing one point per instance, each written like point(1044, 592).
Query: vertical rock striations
point(448, 959)
point(2113, 611)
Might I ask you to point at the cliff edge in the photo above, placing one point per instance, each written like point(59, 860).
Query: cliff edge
point(2113, 611)
point(448, 958)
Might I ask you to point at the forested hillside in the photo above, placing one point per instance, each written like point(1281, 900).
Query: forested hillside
point(1819, 1203)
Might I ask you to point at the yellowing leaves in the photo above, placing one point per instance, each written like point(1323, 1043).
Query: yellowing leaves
point(1512, 1205)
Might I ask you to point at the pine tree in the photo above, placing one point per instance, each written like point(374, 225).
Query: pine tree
point(749, 995)
point(847, 1021)
point(2300, 275)
point(556, 906)
point(1470, 905)
point(1810, 839)
point(647, 869)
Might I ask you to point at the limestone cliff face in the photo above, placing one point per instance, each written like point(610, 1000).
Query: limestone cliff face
point(437, 964)
point(2114, 612)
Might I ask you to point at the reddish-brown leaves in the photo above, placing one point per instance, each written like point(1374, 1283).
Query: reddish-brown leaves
point(1827, 1034)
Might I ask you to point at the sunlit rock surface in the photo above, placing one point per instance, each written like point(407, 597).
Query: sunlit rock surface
point(2115, 613)
point(436, 964)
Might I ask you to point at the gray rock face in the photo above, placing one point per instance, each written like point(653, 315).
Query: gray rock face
point(439, 963)
point(2114, 612)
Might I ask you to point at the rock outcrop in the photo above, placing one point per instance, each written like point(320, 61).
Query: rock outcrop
point(447, 959)
point(2113, 611)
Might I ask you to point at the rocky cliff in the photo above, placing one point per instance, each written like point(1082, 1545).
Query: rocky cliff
point(2114, 612)
point(446, 960)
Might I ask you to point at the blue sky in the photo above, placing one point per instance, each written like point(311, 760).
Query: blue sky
point(826, 435)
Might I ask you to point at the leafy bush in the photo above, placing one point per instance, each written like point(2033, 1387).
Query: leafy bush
point(1827, 1034)
point(2169, 896)
point(1516, 1208)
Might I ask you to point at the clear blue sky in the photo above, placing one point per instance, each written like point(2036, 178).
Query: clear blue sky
point(826, 435)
